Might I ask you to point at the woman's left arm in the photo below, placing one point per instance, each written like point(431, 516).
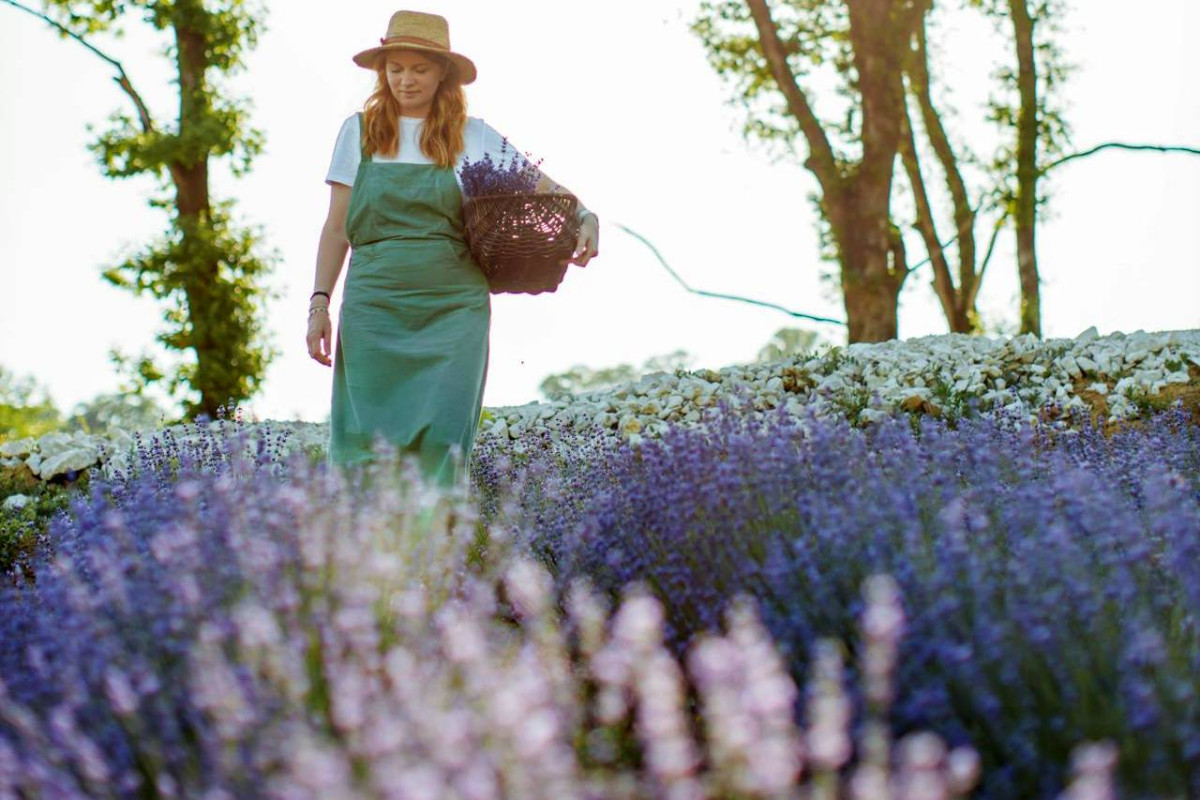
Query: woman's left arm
point(587, 246)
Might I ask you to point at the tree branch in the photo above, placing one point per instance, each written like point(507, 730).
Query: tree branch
point(824, 164)
point(991, 248)
point(121, 79)
point(1119, 146)
point(964, 214)
point(954, 238)
point(943, 283)
point(898, 270)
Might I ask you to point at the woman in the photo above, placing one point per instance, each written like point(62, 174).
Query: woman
point(412, 339)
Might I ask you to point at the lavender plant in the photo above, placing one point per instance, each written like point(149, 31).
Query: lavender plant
point(1050, 576)
point(344, 664)
point(246, 632)
point(185, 641)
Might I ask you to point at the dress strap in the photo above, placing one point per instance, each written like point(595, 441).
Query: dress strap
point(362, 136)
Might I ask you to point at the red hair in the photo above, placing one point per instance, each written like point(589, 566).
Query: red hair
point(441, 136)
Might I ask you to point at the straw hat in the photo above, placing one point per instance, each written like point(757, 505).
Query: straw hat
point(415, 30)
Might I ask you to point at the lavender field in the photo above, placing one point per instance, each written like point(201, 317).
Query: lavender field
point(770, 606)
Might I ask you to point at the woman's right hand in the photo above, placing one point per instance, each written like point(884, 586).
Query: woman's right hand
point(320, 336)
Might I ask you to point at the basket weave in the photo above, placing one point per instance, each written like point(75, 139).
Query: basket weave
point(522, 242)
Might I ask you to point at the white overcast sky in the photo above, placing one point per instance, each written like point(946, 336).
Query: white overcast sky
point(619, 101)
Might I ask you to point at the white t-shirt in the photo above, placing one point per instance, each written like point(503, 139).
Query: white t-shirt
point(479, 139)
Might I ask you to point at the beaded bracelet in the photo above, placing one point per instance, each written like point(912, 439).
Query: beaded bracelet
point(313, 309)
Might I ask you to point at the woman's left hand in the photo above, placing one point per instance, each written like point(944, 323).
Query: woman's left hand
point(588, 244)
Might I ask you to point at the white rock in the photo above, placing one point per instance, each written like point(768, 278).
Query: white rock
point(1148, 376)
point(1136, 355)
point(15, 502)
point(832, 383)
point(630, 424)
point(52, 443)
point(60, 463)
point(18, 448)
point(651, 407)
point(888, 372)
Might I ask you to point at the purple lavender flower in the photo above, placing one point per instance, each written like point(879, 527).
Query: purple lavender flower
point(517, 175)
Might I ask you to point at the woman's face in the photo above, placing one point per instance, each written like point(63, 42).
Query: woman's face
point(413, 78)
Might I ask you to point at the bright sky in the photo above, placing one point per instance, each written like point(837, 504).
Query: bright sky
point(625, 111)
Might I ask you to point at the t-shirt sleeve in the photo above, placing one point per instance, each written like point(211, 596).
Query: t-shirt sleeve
point(502, 151)
point(346, 154)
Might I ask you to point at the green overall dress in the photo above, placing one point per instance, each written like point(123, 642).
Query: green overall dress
point(411, 355)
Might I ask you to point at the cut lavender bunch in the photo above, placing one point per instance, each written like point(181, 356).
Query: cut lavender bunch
point(485, 177)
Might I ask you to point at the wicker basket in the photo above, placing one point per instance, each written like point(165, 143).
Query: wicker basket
point(522, 242)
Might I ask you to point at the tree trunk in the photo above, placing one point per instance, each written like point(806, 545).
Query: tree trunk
point(872, 263)
point(856, 197)
point(873, 268)
point(1027, 171)
point(192, 203)
point(870, 305)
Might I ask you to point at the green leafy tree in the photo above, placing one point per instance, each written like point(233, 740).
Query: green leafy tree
point(1027, 106)
point(770, 57)
point(807, 35)
point(856, 57)
point(205, 268)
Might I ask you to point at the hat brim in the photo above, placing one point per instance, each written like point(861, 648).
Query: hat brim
point(464, 67)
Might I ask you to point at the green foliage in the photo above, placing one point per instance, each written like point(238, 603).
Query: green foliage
point(214, 307)
point(205, 269)
point(25, 408)
point(22, 530)
point(1004, 102)
point(815, 35)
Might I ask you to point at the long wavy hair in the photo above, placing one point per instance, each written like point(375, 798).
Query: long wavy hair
point(442, 134)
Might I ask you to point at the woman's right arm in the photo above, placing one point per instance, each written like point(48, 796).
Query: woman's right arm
point(331, 252)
